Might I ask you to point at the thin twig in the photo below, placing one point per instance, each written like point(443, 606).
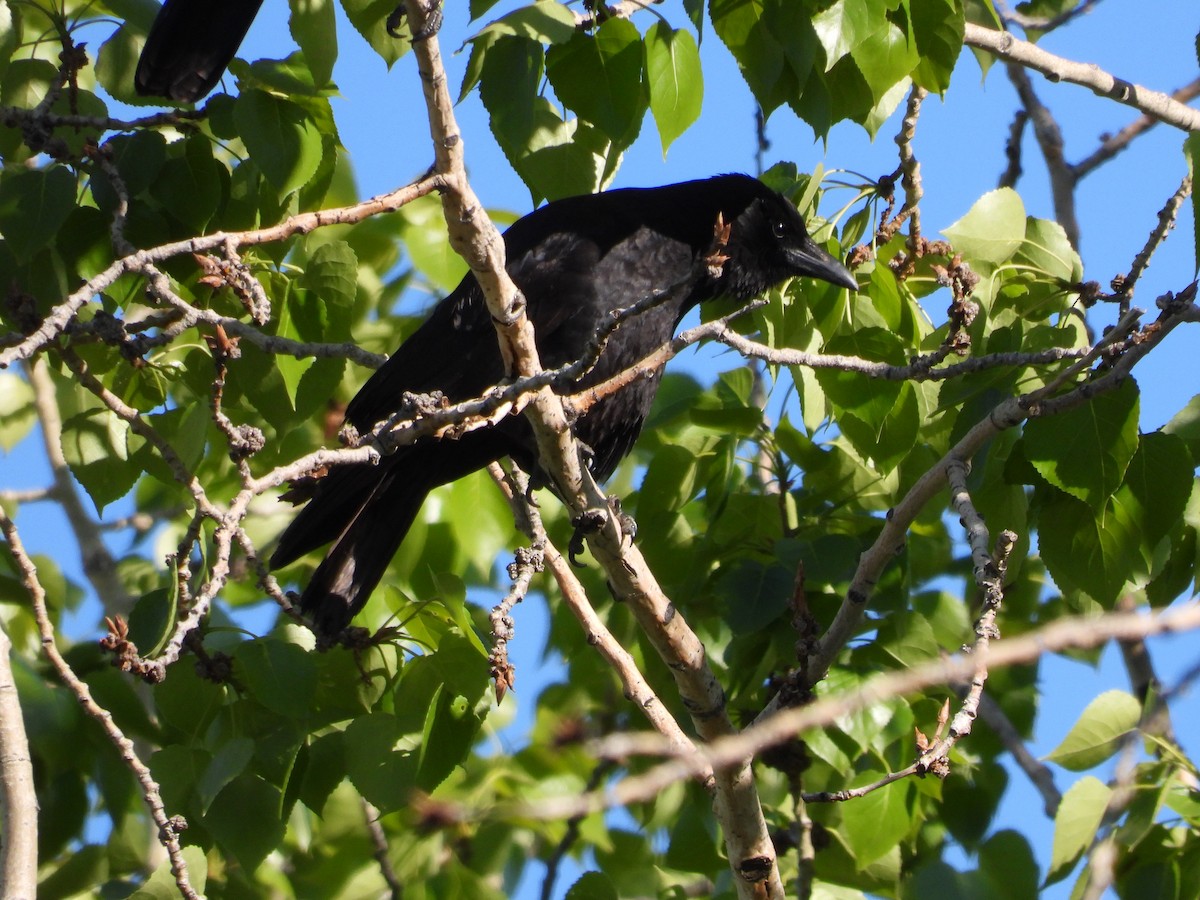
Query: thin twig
point(168, 827)
point(1113, 144)
point(1038, 773)
point(379, 844)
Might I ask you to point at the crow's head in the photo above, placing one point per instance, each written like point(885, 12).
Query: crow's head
point(768, 243)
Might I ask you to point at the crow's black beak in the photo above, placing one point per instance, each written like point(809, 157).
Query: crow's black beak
point(810, 259)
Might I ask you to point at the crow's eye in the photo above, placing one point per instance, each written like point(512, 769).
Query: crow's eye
point(779, 229)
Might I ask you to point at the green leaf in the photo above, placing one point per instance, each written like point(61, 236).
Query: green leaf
point(755, 595)
point(885, 59)
point(992, 230)
point(381, 771)
point(428, 244)
point(874, 824)
point(592, 886)
point(1095, 554)
point(545, 22)
point(1047, 250)
point(332, 279)
point(151, 621)
point(1075, 824)
point(96, 446)
point(938, 27)
point(245, 820)
point(1184, 424)
point(177, 770)
point(1086, 450)
point(186, 702)
point(1158, 483)
point(599, 76)
point(282, 139)
point(1097, 734)
point(17, 417)
point(675, 80)
point(10, 36)
point(190, 185)
point(161, 885)
point(845, 25)
point(479, 7)
point(227, 764)
point(314, 27)
point(323, 766)
point(745, 27)
point(1007, 862)
point(555, 158)
point(888, 444)
point(369, 18)
point(34, 204)
point(116, 62)
point(78, 874)
point(291, 369)
point(280, 676)
point(871, 400)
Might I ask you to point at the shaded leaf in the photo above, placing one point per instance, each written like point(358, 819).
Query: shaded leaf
point(1085, 450)
point(599, 76)
point(245, 820)
point(34, 204)
point(280, 676)
point(283, 140)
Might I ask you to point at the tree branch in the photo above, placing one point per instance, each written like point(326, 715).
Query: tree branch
point(736, 803)
point(1056, 68)
point(97, 563)
point(18, 798)
point(1077, 632)
point(168, 828)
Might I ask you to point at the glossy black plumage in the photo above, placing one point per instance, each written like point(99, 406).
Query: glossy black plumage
point(576, 260)
point(190, 45)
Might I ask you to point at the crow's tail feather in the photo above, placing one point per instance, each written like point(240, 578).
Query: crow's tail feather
point(190, 45)
point(355, 564)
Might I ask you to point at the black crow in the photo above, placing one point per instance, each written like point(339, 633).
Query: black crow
point(189, 46)
point(576, 262)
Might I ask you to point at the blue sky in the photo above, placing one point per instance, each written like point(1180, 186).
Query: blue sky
point(960, 143)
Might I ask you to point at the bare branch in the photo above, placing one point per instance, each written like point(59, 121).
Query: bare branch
point(98, 564)
point(18, 798)
point(379, 846)
point(168, 828)
point(910, 168)
point(637, 690)
point(1113, 144)
point(23, 346)
point(1056, 68)
point(1070, 633)
point(736, 803)
point(1124, 286)
point(1012, 150)
point(1039, 774)
point(1050, 140)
